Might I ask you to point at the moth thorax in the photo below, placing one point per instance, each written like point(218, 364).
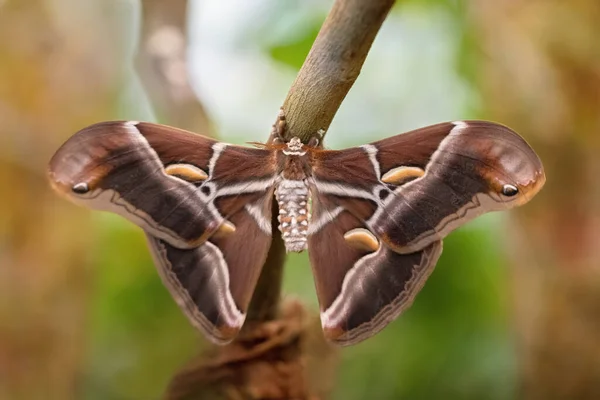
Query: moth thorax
point(292, 197)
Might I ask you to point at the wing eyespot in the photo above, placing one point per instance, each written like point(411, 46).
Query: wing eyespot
point(510, 190)
point(80, 188)
point(383, 194)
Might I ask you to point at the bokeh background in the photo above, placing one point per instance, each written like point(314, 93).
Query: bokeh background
point(512, 310)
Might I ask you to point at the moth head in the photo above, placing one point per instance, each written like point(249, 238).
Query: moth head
point(294, 147)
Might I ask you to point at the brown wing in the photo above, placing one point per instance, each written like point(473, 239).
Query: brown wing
point(361, 284)
point(205, 206)
point(163, 179)
point(399, 197)
point(425, 183)
point(213, 283)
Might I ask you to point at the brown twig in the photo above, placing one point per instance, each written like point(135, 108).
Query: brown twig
point(329, 71)
point(333, 64)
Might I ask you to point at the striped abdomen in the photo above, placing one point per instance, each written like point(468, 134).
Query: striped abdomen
point(292, 197)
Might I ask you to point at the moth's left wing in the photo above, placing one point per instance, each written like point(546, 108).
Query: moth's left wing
point(395, 200)
point(204, 205)
point(214, 282)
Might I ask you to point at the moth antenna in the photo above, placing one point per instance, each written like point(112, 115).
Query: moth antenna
point(260, 145)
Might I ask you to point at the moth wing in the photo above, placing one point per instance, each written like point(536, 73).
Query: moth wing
point(214, 282)
point(205, 206)
point(176, 185)
point(395, 200)
point(362, 284)
point(423, 184)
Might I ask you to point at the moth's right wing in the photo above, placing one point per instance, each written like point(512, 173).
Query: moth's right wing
point(361, 283)
point(380, 211)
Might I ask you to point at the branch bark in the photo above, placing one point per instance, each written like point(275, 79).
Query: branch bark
point(329, 71)
point(333, 64)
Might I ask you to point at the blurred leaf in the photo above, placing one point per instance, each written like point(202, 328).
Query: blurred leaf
point(293, 53)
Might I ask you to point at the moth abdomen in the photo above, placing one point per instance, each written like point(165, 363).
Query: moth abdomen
point(294, 217)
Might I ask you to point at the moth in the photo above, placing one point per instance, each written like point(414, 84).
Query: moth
point(371, 217)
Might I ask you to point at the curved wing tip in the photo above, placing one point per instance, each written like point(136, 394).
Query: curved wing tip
point(335, 335)
point(57, 181)
point(222, 335)
point(341, 337)
point(531, 190)
point(219, 341)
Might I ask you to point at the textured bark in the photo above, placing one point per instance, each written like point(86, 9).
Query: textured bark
point(541, 76)
point(333, 64)
point(274, 359)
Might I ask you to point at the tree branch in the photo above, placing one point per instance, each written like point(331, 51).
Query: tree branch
point(333, 64)
point(329, 71)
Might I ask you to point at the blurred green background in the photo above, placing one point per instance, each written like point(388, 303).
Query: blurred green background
point(512, 310)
